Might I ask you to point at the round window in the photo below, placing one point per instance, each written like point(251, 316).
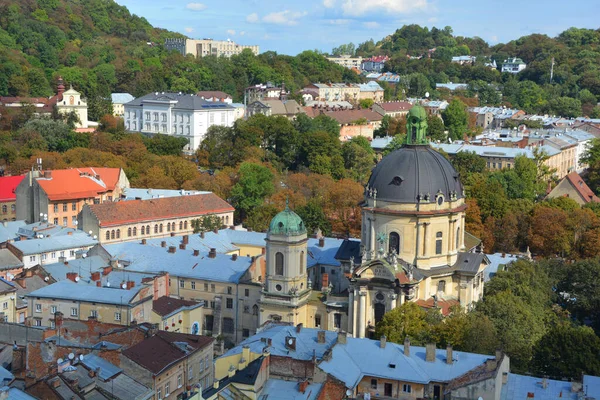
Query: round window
point(278, 288)
point(440, 200)
point(379, 296)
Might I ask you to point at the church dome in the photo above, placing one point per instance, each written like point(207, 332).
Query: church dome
point(417, 112)
point(415, 174)
point(287, 223)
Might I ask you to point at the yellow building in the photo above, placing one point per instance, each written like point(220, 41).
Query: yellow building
point(177, 315)
point(8, 301)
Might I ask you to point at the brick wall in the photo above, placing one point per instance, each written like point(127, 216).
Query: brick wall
point(288, 367)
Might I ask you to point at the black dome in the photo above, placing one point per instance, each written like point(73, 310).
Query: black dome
point(415, 172)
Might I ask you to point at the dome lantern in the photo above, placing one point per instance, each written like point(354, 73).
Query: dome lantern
point(416, 126)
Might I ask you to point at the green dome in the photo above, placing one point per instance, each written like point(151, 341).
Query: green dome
point(287, 222)
point(417, 111)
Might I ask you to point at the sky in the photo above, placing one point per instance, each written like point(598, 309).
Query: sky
point(292, 26)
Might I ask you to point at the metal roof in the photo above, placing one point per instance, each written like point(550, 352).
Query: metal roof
point(121, 98)
point(9, 230)
point(278, 389)
point(107, 370)
point(68, 290)
point(180, 101)
point(78, 239)
point(520, 386)
point(146, 194)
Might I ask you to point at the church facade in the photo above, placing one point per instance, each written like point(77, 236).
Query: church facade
point(412, 246)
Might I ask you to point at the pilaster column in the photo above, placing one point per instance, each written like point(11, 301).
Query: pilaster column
point(363, 314)
point(393, 298)
point(372, 238)
point(425, 236)
point(351, 311)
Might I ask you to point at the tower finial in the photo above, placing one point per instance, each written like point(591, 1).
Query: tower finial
point(287, 202)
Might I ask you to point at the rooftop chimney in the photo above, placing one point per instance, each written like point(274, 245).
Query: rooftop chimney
point(99, 283)
point(185, 239)
point(321, 337)
point(234, 257)
point(449, 359)
point(212, 253)
point(172, 249)
point(72, 276)
point(107, 270)
point(406, 346)
point(172, 234)
point(96, 276)
point(302, 386)
point(182, 246)
point(47, 174)
point(143, 241)
point(299, 327)
point(202, 235)
point(324, 280)
point(430, 352)
point(130, 285)
point(163, 244)
point(322, 242)
point(196, 253)
point(342, 337)
point(382, 341)
point(216, 231)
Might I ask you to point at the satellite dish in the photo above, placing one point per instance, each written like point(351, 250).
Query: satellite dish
point(95, 237)
point(46, 279)
point(90, 232)
point(81, 357)
point(107, 284)
point(124, 286)
point(290, 341)
point(349, 392)
point(60, 361)
point(76, 279)
point(427, 95)
point(71, 356)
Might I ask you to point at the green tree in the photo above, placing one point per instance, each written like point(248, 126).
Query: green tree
point(456, 119)
point(366, 103)
point(406, 320)
point(314, 217)
point(467, 163)
point(435, 129)
point(206, 224)
point(567, 107)
point(164, 145)
point(254, 185)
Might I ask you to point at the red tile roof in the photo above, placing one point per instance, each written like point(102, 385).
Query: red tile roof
point(79, 183)
point(209, 94)
point(582, 188)
point(348, 116)
point(166, 305)
point(163, 350)
point(442, 304)
point(131, 211)
point(8, 184)
point(395, 106)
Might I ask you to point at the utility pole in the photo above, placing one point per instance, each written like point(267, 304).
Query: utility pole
point(552, 70)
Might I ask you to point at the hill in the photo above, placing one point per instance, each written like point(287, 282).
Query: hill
point(100, 47)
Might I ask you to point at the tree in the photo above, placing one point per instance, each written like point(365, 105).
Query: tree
point(206, 224)
point(314, 217)
point(435, 129)
point(260, 217)
point(164, 145)
point(366, 103)
point(358, 158)
point(548, 231)
point(567, 107)
point(467, 163)
point(406, 320)
point(456, 119)
point(254, 184)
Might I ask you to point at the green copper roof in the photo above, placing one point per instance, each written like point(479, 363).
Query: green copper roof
point(287, 222)
point(417, 111)
point(416, 126)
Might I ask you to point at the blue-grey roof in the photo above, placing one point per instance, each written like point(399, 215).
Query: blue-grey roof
point(306, 342)
point(496, 261)
point(68, 290)
point(381, 142)
point(591, 386)
point(365, 357)
point(181, 101)
point(15, 394)
point(246, 238)
point(84, 268)
point(38, 229)
point(5, 376)
point(107, 370)
point(278, 389)
point(519, 386)
point(8, 260)
point(146, 194)
point(488, 151)
point(121, 98)
point(371, 86)
point(182, 263)
point(78, 239)
point(323, 255)
point(451, 86)
point(237, 105)
point(9, 230)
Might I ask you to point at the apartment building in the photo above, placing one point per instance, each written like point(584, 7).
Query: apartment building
point(208, 47)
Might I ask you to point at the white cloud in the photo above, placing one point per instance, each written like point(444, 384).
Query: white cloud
point(371, 25)
point(360, 7)
point(230, 32)
point(286, 17)
point(242, 33)
point(339, 21)
point(189, 30)
point(195, 6)
point(329, 3)
point(252, 18)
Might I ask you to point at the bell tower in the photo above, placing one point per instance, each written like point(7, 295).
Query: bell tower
point(286, 291)
point(416, 126)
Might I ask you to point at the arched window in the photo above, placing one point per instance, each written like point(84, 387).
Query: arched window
point(118, 234)
point(301, 263)
point(457, 237)
point(173, 226)
point(180, 225)
point(168, 227)
point(438, 243)
point(4, 209)
point(278, 263)
point(143, 229)
point(107, 235)
point(156, 228)
point(147, 229)
point(112, 234)
point(255, 310)
point(442, 286)
point(185, 225)
point(394, 243)
point(135, 231)
point(129, 232)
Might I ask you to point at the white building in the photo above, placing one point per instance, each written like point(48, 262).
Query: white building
point(513, 65)
point(118, 102)
point(72, 101)
point(177, 114)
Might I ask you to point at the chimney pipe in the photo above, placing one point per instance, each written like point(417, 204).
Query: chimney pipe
point(212, 253)
point(382, 341)
point(234, 257)
point(96, 276)
point(342, 337)
point(143, 241)
point(321, 242)
point(172, 234)
point(185, 239)
point(202, 235)
point(321, 337)
point(430, 352)
point(299, 327)
point(163, 244)
point(407, 346)
point(99, 283)
point(172, 249)
point(182, 246)
point(449, 359)
point(196, 253)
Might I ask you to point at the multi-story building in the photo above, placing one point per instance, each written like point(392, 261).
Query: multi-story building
point(374, 64)
point(574, 187)
point(8, 301)
point(73, 102)
point(171, 363)
point(371, 90)
point(513, 65)
point(392, 108)
point(266, 91)
point(208, 47)
point(215, 95)
point(57, 196)
point(462, 60)
point(335, 91)
point(177, 315)
point(177, 114)
point(347, 61)
point(118, 102)
point(136, 219)
point(275, 107)
point(8, 197)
